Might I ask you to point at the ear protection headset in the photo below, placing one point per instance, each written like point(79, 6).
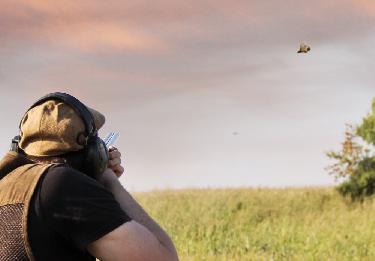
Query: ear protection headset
point(95, 150)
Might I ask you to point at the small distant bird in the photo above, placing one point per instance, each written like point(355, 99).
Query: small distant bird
point(304, 48)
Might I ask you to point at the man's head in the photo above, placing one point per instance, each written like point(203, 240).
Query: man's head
point(54, 128)
point(58, 124)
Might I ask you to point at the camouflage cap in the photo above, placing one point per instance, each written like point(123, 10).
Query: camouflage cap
point(54, 128)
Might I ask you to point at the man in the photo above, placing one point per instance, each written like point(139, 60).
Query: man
point(60, 197)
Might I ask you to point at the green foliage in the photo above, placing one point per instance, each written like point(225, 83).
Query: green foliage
point(355, 162)
point(362, 182)
point(348, 159)
point(367, 129)
point(264, 224)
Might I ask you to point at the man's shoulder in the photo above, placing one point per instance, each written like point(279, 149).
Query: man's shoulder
point(64, 169)
point(63, 173)
point(62, 180)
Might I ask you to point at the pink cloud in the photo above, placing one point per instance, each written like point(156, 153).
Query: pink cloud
point(177, 25)
point(71, 25)
point(97, 36)
point(367, 6)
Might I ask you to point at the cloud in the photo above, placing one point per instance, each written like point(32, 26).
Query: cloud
point(166, 25)
point(104, 37)
point(69, 25)
point(366, 6)
point(174, 42)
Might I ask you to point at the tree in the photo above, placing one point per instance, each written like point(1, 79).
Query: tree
point(367, 129)
point(355, 163)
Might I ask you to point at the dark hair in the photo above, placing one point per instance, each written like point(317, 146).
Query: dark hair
point(74, 159)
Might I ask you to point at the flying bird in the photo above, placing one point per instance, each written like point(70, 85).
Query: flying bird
point(304, 48)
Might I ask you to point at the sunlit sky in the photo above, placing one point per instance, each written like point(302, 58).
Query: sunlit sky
point(207, 93)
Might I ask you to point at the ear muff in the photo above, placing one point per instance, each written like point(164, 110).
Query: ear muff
point(96, 153)
point(97, 157)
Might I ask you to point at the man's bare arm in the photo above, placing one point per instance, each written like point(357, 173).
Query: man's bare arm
point(131, 241)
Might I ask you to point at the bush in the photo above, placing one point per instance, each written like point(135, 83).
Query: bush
point(361, 183)
point(367, 128)
point(355, 163)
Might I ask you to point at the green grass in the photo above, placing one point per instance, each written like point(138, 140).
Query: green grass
point(264, 224)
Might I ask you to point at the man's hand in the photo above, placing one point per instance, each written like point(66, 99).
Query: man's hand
point(114, 162)
point(114, 169)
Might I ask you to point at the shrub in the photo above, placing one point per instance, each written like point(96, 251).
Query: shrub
point(361, 183)
point(355, 163)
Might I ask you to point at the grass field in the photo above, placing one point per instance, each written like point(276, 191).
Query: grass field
point(264, 224)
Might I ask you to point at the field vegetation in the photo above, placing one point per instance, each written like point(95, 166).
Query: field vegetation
point(265, 224)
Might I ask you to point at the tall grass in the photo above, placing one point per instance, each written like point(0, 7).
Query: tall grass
point(264, 224)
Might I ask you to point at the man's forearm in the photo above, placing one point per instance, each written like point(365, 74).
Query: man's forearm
point(138, 214)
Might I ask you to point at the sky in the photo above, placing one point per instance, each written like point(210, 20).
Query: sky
point(204, 93)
